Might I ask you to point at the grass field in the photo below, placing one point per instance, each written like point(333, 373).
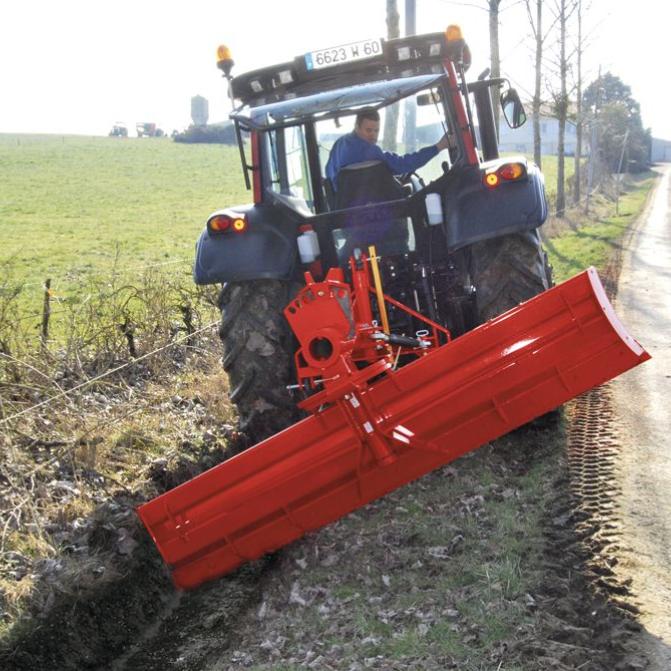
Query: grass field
point(72, 206)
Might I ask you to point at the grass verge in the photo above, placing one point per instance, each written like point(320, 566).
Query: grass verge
point(591, 240)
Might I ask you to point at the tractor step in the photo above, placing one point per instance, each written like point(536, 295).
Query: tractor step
point(478, 387)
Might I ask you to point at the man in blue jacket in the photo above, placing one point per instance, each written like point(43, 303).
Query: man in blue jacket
point(361, 145)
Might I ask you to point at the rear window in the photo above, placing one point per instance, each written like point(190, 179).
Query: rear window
point(398, 132)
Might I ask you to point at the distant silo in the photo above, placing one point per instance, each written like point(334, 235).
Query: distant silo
point(199, 110)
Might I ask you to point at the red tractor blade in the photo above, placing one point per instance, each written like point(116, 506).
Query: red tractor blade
point(480, 386)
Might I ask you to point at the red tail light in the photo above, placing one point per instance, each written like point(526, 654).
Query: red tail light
point(221, 223)
point(512, 171)
point(509, 172)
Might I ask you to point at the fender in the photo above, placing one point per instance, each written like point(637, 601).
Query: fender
point(474, 212)
point(267, 249)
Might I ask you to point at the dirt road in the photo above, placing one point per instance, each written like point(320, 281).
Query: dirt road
point(642, 400)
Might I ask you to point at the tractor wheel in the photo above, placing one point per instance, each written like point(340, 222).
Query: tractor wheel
point(258, 355)
point(508, 270)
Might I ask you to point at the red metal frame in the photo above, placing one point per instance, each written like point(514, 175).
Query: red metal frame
point(334, 325)
point(462, 119)
point(375, 429)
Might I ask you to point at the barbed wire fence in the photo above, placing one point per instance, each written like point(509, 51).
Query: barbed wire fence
point(101, 329)
point(79, 387)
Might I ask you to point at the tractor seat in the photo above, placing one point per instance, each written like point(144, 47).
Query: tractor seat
point(366, 183)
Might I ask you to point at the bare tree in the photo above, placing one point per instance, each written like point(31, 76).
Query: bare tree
point(494, 52)
point(563, 10)
point(391, 112)
point(539, 39)
point(593, 142)
point(577, 176)
point(562, 109)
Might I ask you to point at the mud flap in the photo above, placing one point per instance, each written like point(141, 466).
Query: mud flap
point(476, 388)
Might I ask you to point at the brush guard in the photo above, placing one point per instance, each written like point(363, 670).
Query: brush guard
point(374, 428)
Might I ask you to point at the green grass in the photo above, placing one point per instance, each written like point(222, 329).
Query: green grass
point(73, 206)
point(592, 243)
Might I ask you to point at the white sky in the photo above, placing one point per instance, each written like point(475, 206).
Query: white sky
point(77, 66)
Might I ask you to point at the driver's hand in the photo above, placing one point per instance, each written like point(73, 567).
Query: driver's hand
point(445, 142)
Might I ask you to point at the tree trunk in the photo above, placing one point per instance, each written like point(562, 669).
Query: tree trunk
point(537, 32)
point(494, 53)
point(562, 110)
point(410, 135)
point(578, 118)
point(391, 112)
point(537, 87)
point(593, 144)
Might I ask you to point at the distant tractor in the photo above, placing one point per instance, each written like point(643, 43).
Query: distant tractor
point(118, 130)
point(148, 129)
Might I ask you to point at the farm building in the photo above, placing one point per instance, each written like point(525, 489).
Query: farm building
point(521, 140)
point(660, 150)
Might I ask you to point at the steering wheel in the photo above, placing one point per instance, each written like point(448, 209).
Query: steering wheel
point(414, 179)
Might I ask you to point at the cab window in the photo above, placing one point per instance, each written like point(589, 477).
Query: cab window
point(396, 133)
point(289, 171)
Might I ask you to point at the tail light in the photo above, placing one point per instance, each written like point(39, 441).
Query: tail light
point(508, 172)
point(223, 222)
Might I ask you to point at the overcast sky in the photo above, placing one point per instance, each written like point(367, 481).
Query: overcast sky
point(77, 66)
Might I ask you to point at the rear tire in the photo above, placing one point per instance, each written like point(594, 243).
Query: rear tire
point(508, 270)
point(505, 272)
point(258, 355)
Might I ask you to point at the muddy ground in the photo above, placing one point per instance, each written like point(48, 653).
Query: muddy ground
point(414, 581)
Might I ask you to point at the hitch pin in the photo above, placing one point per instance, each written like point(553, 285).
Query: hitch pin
point(291, 387)
point(403, 341)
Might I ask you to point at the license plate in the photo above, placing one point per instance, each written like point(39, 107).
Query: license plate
point(356, 51)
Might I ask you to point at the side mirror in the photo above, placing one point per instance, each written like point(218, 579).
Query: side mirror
point(513, 110)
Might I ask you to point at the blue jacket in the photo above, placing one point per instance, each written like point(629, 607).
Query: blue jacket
point(350, 149)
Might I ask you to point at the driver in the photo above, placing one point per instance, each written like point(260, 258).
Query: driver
point(361, 145)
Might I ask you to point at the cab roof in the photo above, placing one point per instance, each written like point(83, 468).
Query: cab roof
point(334, 103)
point(392, 60)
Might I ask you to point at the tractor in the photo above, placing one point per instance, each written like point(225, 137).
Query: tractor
point(148, 129)
point(411, 316)
point(458, 241)
point(119, 129)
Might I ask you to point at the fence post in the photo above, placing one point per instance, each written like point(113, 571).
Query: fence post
point(46, 311)
point(128, 329)
point(187, 315)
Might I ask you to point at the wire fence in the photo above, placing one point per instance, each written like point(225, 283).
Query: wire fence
point(91, 313)
point(87, 383)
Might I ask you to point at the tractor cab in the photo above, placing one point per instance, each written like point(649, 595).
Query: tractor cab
point(454, 242)
point(288, 117)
